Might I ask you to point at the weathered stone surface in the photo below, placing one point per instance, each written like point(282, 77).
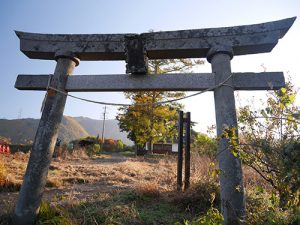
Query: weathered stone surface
point(258, 81)
point(248, 39)
point(35, 178)
point(231, 176)
point(166, 82)
point(85, 46)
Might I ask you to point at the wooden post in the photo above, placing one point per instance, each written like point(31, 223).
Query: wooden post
point(187, 157)
point(180, 151)
point(231, 177)
point(35, 177)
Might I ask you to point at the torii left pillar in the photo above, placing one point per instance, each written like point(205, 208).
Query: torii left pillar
point(35, 178)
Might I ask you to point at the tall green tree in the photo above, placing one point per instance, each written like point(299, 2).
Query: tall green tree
point(145, 120)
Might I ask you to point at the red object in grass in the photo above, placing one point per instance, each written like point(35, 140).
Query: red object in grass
point(4, 148)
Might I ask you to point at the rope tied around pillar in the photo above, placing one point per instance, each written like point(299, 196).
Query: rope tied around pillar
point(49, 92)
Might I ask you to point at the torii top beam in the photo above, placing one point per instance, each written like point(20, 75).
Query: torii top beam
point(249, 39)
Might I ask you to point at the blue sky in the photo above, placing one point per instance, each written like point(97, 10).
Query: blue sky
point(95, 16)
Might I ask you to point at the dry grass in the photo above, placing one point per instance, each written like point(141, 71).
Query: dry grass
point(200, 167)
point(3, 174)
point(7, 181)
point(148, 189)
point(54, 182)
point(145, 174)
point(80, 180)
point(78, 153)
point(116, 170)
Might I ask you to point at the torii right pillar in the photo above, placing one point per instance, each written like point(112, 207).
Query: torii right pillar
point(231, 176)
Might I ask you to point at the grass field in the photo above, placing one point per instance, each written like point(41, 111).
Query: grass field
point(115, 189)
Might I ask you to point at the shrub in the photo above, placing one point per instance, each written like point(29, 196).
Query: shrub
point(200, 197)
point(270, 143)
point(120, 145)
point(93, 149)
point(110, 145)
point(53, 215)
point(263, 208)
point(211, 217)
point(129, 148)
point(25, 148)
point(205, 145)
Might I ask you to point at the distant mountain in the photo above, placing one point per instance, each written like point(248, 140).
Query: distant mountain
point(23, 130)
point(71, 129)
point(111, 128)
point(20, 130)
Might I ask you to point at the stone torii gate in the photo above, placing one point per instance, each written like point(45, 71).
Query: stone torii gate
point(218, 45)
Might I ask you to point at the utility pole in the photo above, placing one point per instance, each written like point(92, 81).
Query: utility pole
point(20, 113)
point(103, 126)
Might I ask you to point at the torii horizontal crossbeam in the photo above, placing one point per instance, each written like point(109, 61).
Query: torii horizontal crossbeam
point(248, 39)
point(165, 82)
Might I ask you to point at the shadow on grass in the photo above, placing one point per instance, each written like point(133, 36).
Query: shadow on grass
point(127, 207)
point(135, 206)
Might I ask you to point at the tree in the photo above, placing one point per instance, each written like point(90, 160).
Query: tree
point(205, 145)
point(145, 120)
point(270, 143)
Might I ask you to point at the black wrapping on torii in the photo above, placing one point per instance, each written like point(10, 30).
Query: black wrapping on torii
point(136, 58)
